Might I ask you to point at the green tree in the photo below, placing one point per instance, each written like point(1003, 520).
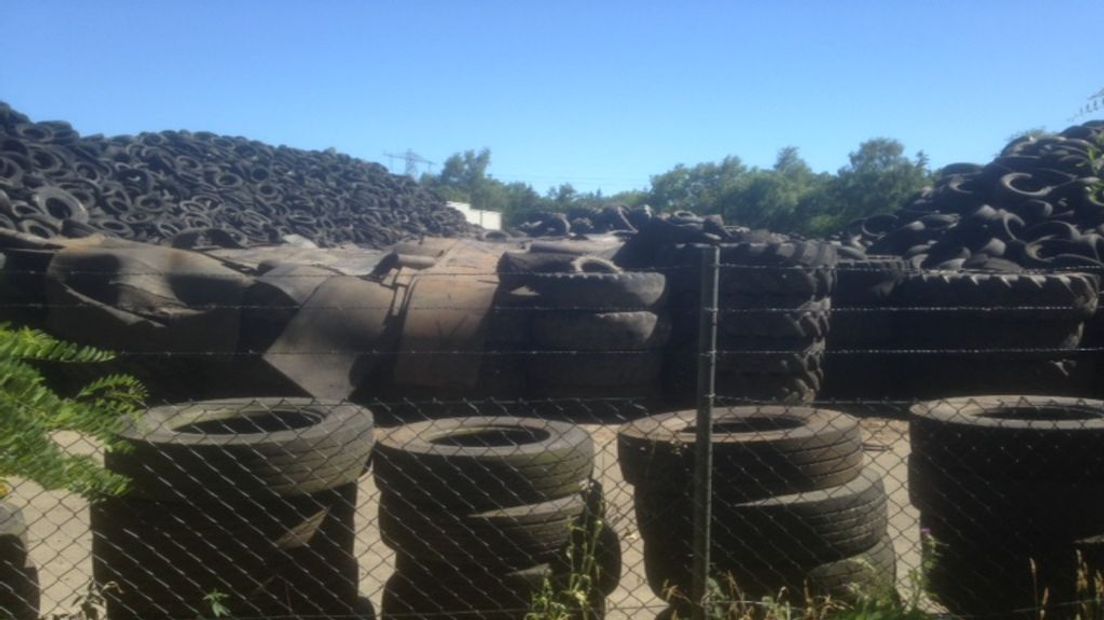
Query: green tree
point(778, 198)
point(698, 189)
point(878, 179)
point(30, 413)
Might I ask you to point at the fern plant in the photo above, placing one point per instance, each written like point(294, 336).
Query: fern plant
point(31, 412)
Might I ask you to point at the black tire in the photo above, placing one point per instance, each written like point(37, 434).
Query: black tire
point(1005, 578)
point(170, 556)
point(1028, 437)
point(989, 310)
point(600, 292)
point(777, 327)
point(776, 361)
point(992, 505)
point(442, 591)
point(758, 451)
point(507, 461)
point(243, 449)
point(505, 538)
point(323, 576)
point(599, 331)
point(805, 268)
point(789, 533)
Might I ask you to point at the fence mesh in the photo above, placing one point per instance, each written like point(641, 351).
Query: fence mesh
point(551, 470)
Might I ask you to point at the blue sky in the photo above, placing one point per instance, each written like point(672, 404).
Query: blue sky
point(599, 94)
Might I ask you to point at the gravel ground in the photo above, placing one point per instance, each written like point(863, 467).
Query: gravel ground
point(60, 538)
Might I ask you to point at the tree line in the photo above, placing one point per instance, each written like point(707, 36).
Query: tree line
point(787, 197)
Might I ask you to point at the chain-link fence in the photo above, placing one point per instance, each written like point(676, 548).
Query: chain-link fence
point(446, 441)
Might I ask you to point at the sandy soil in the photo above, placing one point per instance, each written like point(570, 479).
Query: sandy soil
point(60, 539)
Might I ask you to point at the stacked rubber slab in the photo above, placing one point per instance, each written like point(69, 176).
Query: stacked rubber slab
point(774, 304)
point(251, 498)
point(19, 587)
point(484, 513)
point(584, 327)
point(1009, 491)
point(793, 505)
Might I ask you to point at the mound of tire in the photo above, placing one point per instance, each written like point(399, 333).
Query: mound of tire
point(793, 506)
point(19, 588)
point(1038, 205)
point(1009, 488)
point(486, 512)
point(582, 326)
point(251, 498)
point(774, 302)
point(200, 189)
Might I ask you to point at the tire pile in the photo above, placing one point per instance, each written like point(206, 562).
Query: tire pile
point(251, 498)
point(200, 189)
point(774, 304)
point(584, 327)
point(19, 591)
point(1001, 482)
point(483, 511)
point(1038, 205)
point(792, 503)
point(581, 221)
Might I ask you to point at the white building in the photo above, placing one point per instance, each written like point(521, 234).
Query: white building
point(491, 220)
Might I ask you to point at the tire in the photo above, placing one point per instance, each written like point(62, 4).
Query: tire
point(535, 461)
point(778, 361)
point(505, 538)
point(169, 556)
point(973, 577)
point(441, 591)
point(600, 331)
point(776, 450)
point(600, 292)
point(323, 577)
point(799, 530)
point(1028, 437)
point(779, 268)
point(991, 505)
point(243, 448)
point(774, 327)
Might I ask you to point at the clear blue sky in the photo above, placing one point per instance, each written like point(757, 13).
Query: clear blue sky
point(599, 94)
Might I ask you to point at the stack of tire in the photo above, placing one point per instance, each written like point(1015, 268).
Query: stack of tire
point(1009, 488)
point(983, 333)
point(774, 299)
point(594, 330)
point(251, 498)
point(793, 505)
point(859, 362)
point(482, 512)
point(19, 591)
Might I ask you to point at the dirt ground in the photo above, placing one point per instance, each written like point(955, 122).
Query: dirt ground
point(61, 541)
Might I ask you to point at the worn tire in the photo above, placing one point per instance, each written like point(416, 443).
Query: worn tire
point(599, 331)
point(534, 461)
point(600, 292)
point(506, 538)
point(1028, 437)
point(243, 448)
point(758, 451)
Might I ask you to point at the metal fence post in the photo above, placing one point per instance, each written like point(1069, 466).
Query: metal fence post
point(703, 457)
